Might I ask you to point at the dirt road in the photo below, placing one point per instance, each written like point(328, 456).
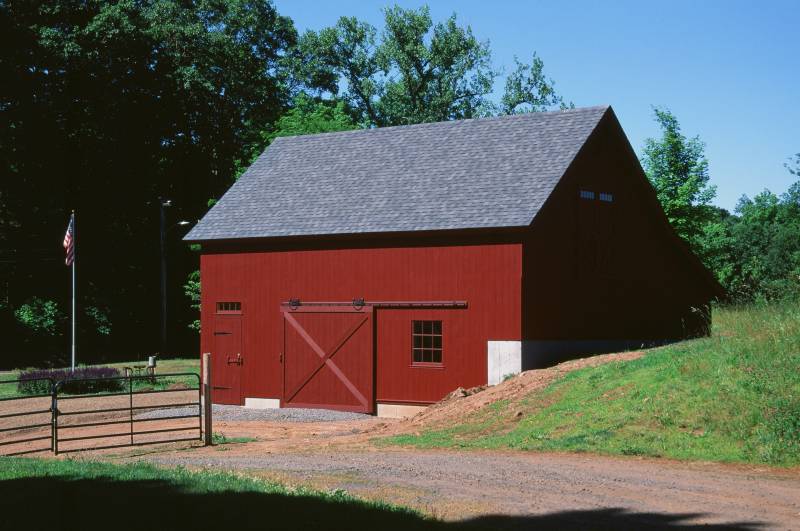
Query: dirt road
point(579, 491)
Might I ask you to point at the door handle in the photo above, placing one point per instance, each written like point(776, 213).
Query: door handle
point(280, 357)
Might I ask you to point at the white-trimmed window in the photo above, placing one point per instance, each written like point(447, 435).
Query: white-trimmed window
point(426, 342)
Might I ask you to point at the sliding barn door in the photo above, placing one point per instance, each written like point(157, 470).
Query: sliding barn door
point(328, 358)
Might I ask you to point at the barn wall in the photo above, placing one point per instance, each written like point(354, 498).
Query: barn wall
point(487, 275)
point(596, 273)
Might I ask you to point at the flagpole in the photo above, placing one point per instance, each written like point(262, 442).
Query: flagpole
point(74, 261)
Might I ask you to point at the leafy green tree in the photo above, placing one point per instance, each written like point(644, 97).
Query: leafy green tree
point(678, 170)
point(415, 71)
point(766, 246)
point(716, 246)
point(41, 316)
point(529, 90)
point(307, 116)
point(99, 320)
point(192, 290)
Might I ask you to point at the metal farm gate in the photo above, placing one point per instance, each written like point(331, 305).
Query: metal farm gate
point(26, 422)
point(141, 410)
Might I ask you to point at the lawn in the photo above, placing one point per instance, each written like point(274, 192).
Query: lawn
point(734, 396)
point(180, 365)
point(89, 495)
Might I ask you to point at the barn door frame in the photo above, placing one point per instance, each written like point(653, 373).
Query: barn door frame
point(287, 312)
point(229, 361)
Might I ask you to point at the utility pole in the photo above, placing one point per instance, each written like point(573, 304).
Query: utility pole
point(163, 204)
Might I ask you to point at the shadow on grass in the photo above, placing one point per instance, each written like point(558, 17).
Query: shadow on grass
point(63, 504)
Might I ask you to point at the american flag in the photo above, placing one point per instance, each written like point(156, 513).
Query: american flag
point(69, 241)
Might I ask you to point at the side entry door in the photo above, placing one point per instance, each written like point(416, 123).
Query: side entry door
point(227, 360)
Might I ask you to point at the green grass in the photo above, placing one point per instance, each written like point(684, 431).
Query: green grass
point(90, 495)
point(221, 438)
point(734, 396)
point(191, 365)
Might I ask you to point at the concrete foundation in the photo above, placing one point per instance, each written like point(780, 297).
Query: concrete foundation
point(513, 357)
point(398, 411)
point(262, 403)
point(503, 358)
point(538, 354)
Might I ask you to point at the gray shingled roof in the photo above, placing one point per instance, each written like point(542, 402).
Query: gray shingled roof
point(480, 173)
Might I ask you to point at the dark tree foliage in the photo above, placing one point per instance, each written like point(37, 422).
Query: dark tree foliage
point(107, 106)
point(104, 107)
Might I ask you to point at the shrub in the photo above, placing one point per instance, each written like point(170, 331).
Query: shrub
point(76, 382)
point(41, 316)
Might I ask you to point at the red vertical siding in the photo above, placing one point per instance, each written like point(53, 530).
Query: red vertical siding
point(612, 271)
point(486, 275)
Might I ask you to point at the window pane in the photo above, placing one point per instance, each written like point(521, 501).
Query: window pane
point(586, 194)
point(229, 306)
point(426, 341)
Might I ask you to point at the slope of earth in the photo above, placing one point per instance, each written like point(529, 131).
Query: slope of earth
point(734, 396)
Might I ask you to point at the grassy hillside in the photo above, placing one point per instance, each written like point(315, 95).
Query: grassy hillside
point(91, 496)
point(734, 396)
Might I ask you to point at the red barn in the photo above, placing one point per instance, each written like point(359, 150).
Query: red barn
point(377, 270)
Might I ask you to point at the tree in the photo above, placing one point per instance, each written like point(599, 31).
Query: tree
point(41, 316)
point(678, 170)
point(192, 290)
point(528, 90)
point(766, 246)
point(415, 71)
point(104, 106)
point(309, 116)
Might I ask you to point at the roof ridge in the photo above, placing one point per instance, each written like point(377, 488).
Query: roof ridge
point(527, 115)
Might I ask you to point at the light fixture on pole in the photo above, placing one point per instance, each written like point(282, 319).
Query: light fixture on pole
point(163, 204)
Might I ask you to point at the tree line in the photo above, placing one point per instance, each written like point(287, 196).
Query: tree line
point(754, 251)
point(108, 106)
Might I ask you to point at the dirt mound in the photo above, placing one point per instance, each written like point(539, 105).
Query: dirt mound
point(462, 403)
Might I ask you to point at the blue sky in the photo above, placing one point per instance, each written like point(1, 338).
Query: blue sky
point(729, 70)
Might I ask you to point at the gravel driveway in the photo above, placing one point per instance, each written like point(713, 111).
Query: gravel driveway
point(584, 491)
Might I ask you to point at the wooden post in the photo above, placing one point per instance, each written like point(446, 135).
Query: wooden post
point(207, 430)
